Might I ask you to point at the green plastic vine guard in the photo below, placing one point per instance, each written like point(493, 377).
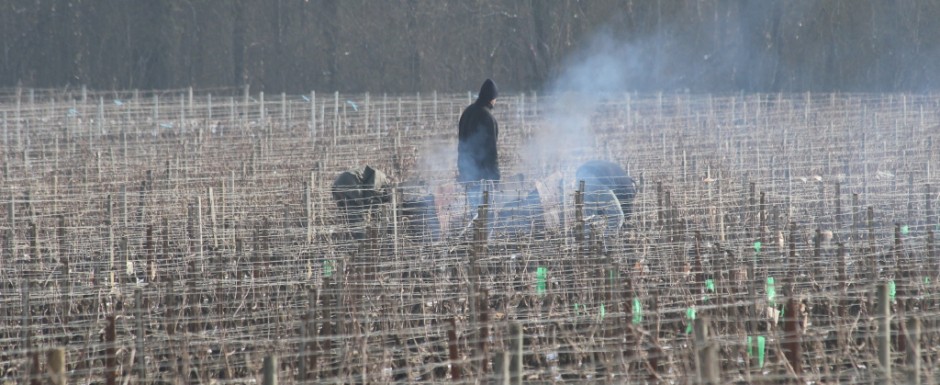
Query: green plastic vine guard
point(892, 290)
point(905, 229)
point(709, 287)
point(540, 274)
point(690, 315)
point(761, 345)
point(603, 312)
point(637, 311)
point(757, 246)
point(771, 291)
point(328, 268)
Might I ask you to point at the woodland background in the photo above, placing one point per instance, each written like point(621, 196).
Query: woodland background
point(402, 46)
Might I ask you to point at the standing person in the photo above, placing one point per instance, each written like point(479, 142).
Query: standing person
point(477, 158)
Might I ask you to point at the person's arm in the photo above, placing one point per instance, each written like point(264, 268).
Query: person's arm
point(492, 149)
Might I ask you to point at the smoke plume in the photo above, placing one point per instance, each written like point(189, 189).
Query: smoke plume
point(604, 67)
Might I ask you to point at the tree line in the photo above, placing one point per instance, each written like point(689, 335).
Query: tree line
point(452, 45)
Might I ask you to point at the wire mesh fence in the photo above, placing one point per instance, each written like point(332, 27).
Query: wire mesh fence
point(184, 236)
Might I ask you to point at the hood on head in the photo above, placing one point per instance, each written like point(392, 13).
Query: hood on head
point(488, 92)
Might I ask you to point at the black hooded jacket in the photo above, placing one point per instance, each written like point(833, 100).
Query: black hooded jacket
point(477, 157)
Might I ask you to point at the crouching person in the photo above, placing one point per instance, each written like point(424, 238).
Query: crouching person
point(609, 192)
point(361, 196)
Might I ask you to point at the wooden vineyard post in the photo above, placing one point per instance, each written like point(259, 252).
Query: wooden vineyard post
point(913, 351)
point(126, 266)
point(150, 250)
point(173, 309)
point(793, 266)
point(699, 269)
point(336, 125)
point(931, 219)
point(477, 299)
point(501, 368)
point(706, 353)
point(110, 352)
point(35, 378)
point(855, 217)
point(199, 238)
point(261, 112)
point(395, 222)
point(934, 268)
point(819, 271)
point(100, 120)
point(189, 96)
point(792, 342)
point(579, 215)
point(762, 218)
point(145, 186)
point(872, 257)
point(516, 353)
point(27, 338)
point(910, 195)
point(55, 363)
point(752, 201)
point(246, 97)
point(418, 112)
point(452, 349)
point(308, 214)
point(66, 270)
point(6, 145)
point(155, 112)
point(141, 334)
point(669, 219)
point(124, 213)
point(328, 329)
point(838, 208)
point(33, 235)
point(883, 318)
point(843, 302)
point(284, 110)
point(306, 360)
point(212, 219)
point(656, 353)
point(110, 223)
point(313, 117)
point(270, 370)
point(905, 290)
point(368, 110)
point(10, 234)
point(484, 335)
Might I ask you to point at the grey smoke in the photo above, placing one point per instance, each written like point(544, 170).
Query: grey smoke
point(727, 53)
point(603, 68)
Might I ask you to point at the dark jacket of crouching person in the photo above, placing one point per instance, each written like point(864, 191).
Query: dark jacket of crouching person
point(359, 195)
point(609, 192)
